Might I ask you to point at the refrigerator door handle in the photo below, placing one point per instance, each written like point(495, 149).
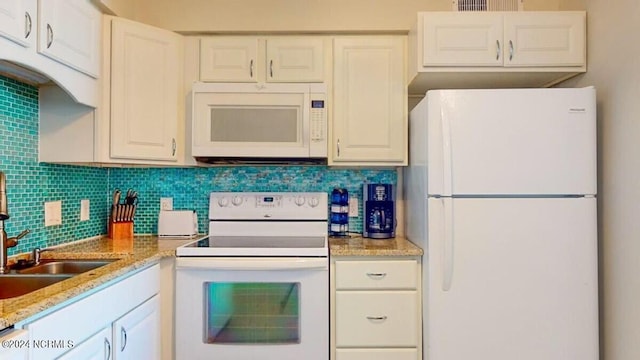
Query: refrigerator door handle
point(448, 252)
point(447, 171)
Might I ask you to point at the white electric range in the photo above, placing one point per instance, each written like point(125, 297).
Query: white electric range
point(257, 287)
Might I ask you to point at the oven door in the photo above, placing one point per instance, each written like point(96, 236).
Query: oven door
point(252, 308)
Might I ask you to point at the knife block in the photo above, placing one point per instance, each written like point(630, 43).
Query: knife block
point(120, 230)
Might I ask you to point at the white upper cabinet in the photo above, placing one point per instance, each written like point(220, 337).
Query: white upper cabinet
point(229, 59)
point(145, 67)
point(544, 39)
point(55, 40)
point(18, 21)
point(139, 119)
point(495, 49)
point(462, 39)
point(68, 32)
point(295, 59)
point(252, 59)
point(369, 125)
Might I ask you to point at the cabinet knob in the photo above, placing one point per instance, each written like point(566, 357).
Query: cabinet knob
point(49, 36)
point(27, 25)
point(123, 336)
point(376, 275)
point(510, 50)
point(107, 349)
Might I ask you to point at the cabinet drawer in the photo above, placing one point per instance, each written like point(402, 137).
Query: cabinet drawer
point(390, 274)
point(377, 354)
point(377, 318)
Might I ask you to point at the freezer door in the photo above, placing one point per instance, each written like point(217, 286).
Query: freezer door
point(511, 279)
point(511, 141)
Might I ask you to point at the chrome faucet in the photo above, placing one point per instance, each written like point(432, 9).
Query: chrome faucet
point(6, 242)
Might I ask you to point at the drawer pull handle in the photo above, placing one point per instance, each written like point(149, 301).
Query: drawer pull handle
point(377, 318)
point(376, 275)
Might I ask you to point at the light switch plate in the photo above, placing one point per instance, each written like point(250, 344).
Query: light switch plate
point(353, 207)
point(166, 204)
point(84, 210)
point(52, 213)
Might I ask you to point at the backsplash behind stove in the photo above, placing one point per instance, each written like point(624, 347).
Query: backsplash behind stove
point(190, 187)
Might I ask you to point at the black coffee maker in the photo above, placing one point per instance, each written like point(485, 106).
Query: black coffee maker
point(379, 211)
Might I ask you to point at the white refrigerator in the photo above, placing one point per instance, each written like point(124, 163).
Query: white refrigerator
point(501, 195)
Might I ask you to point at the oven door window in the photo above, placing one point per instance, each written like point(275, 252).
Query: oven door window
point(251, 313)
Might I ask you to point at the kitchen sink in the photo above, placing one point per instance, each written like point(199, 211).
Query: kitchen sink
point(12, 285)
point(65, 266)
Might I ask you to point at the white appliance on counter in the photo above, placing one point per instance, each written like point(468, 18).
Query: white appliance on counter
point(258, 121)
point(258, 286)
point(501, 195)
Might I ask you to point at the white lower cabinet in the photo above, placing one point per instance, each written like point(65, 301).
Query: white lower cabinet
point(13, 343)
point(137, 334)
point(377, 354)
point(119, 321)
point(97, 347)
point(376, 309)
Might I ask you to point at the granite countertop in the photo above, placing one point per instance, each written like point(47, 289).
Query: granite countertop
point(141, 252)
point(146, 250)
point(359, 246)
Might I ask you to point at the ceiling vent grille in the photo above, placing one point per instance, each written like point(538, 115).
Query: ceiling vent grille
point(487, 5)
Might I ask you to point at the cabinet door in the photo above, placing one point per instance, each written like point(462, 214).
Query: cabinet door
point(69, 32)
point(295, 60)
point(462, 39)
point(377, 319)
point(97, 347)
point(370, 100)
point(137, 334)
point(18, 21)
point(14, 344)
point(544, 38)
point(377, 354)
point(229, 59)
point(144, 91)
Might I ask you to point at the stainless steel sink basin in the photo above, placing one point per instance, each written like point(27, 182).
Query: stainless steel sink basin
point(65, 266)
point(12, 285)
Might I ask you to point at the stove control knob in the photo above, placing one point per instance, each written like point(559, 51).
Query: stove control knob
point(223, 201)
point(237, 200)
point(300, 201)
point(313, 202)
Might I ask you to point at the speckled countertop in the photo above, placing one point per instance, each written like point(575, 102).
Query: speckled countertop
point(142, 251)
point(359, 246)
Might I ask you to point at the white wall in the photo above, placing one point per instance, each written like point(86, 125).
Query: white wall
point(292, 15)
point(614, 69)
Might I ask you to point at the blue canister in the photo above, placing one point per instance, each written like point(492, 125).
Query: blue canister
point(339, 219)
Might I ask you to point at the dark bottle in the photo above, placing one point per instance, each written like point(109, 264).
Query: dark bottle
point(339, 219)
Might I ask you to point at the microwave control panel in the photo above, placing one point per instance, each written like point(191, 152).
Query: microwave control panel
point(318, 117)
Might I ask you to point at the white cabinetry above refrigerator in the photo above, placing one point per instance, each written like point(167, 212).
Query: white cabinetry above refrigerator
point(454, 50)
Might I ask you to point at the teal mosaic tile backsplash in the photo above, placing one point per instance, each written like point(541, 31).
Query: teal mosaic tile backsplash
point(190, 187)
point(30, 184)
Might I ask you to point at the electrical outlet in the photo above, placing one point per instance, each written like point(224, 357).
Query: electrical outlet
point(353, 207)
point(166, 204)
point(84, 210)
point(52, 213)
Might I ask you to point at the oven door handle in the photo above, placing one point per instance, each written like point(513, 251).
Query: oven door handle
point(267, 264)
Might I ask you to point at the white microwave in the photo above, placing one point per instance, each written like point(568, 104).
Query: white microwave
point(259, 121)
